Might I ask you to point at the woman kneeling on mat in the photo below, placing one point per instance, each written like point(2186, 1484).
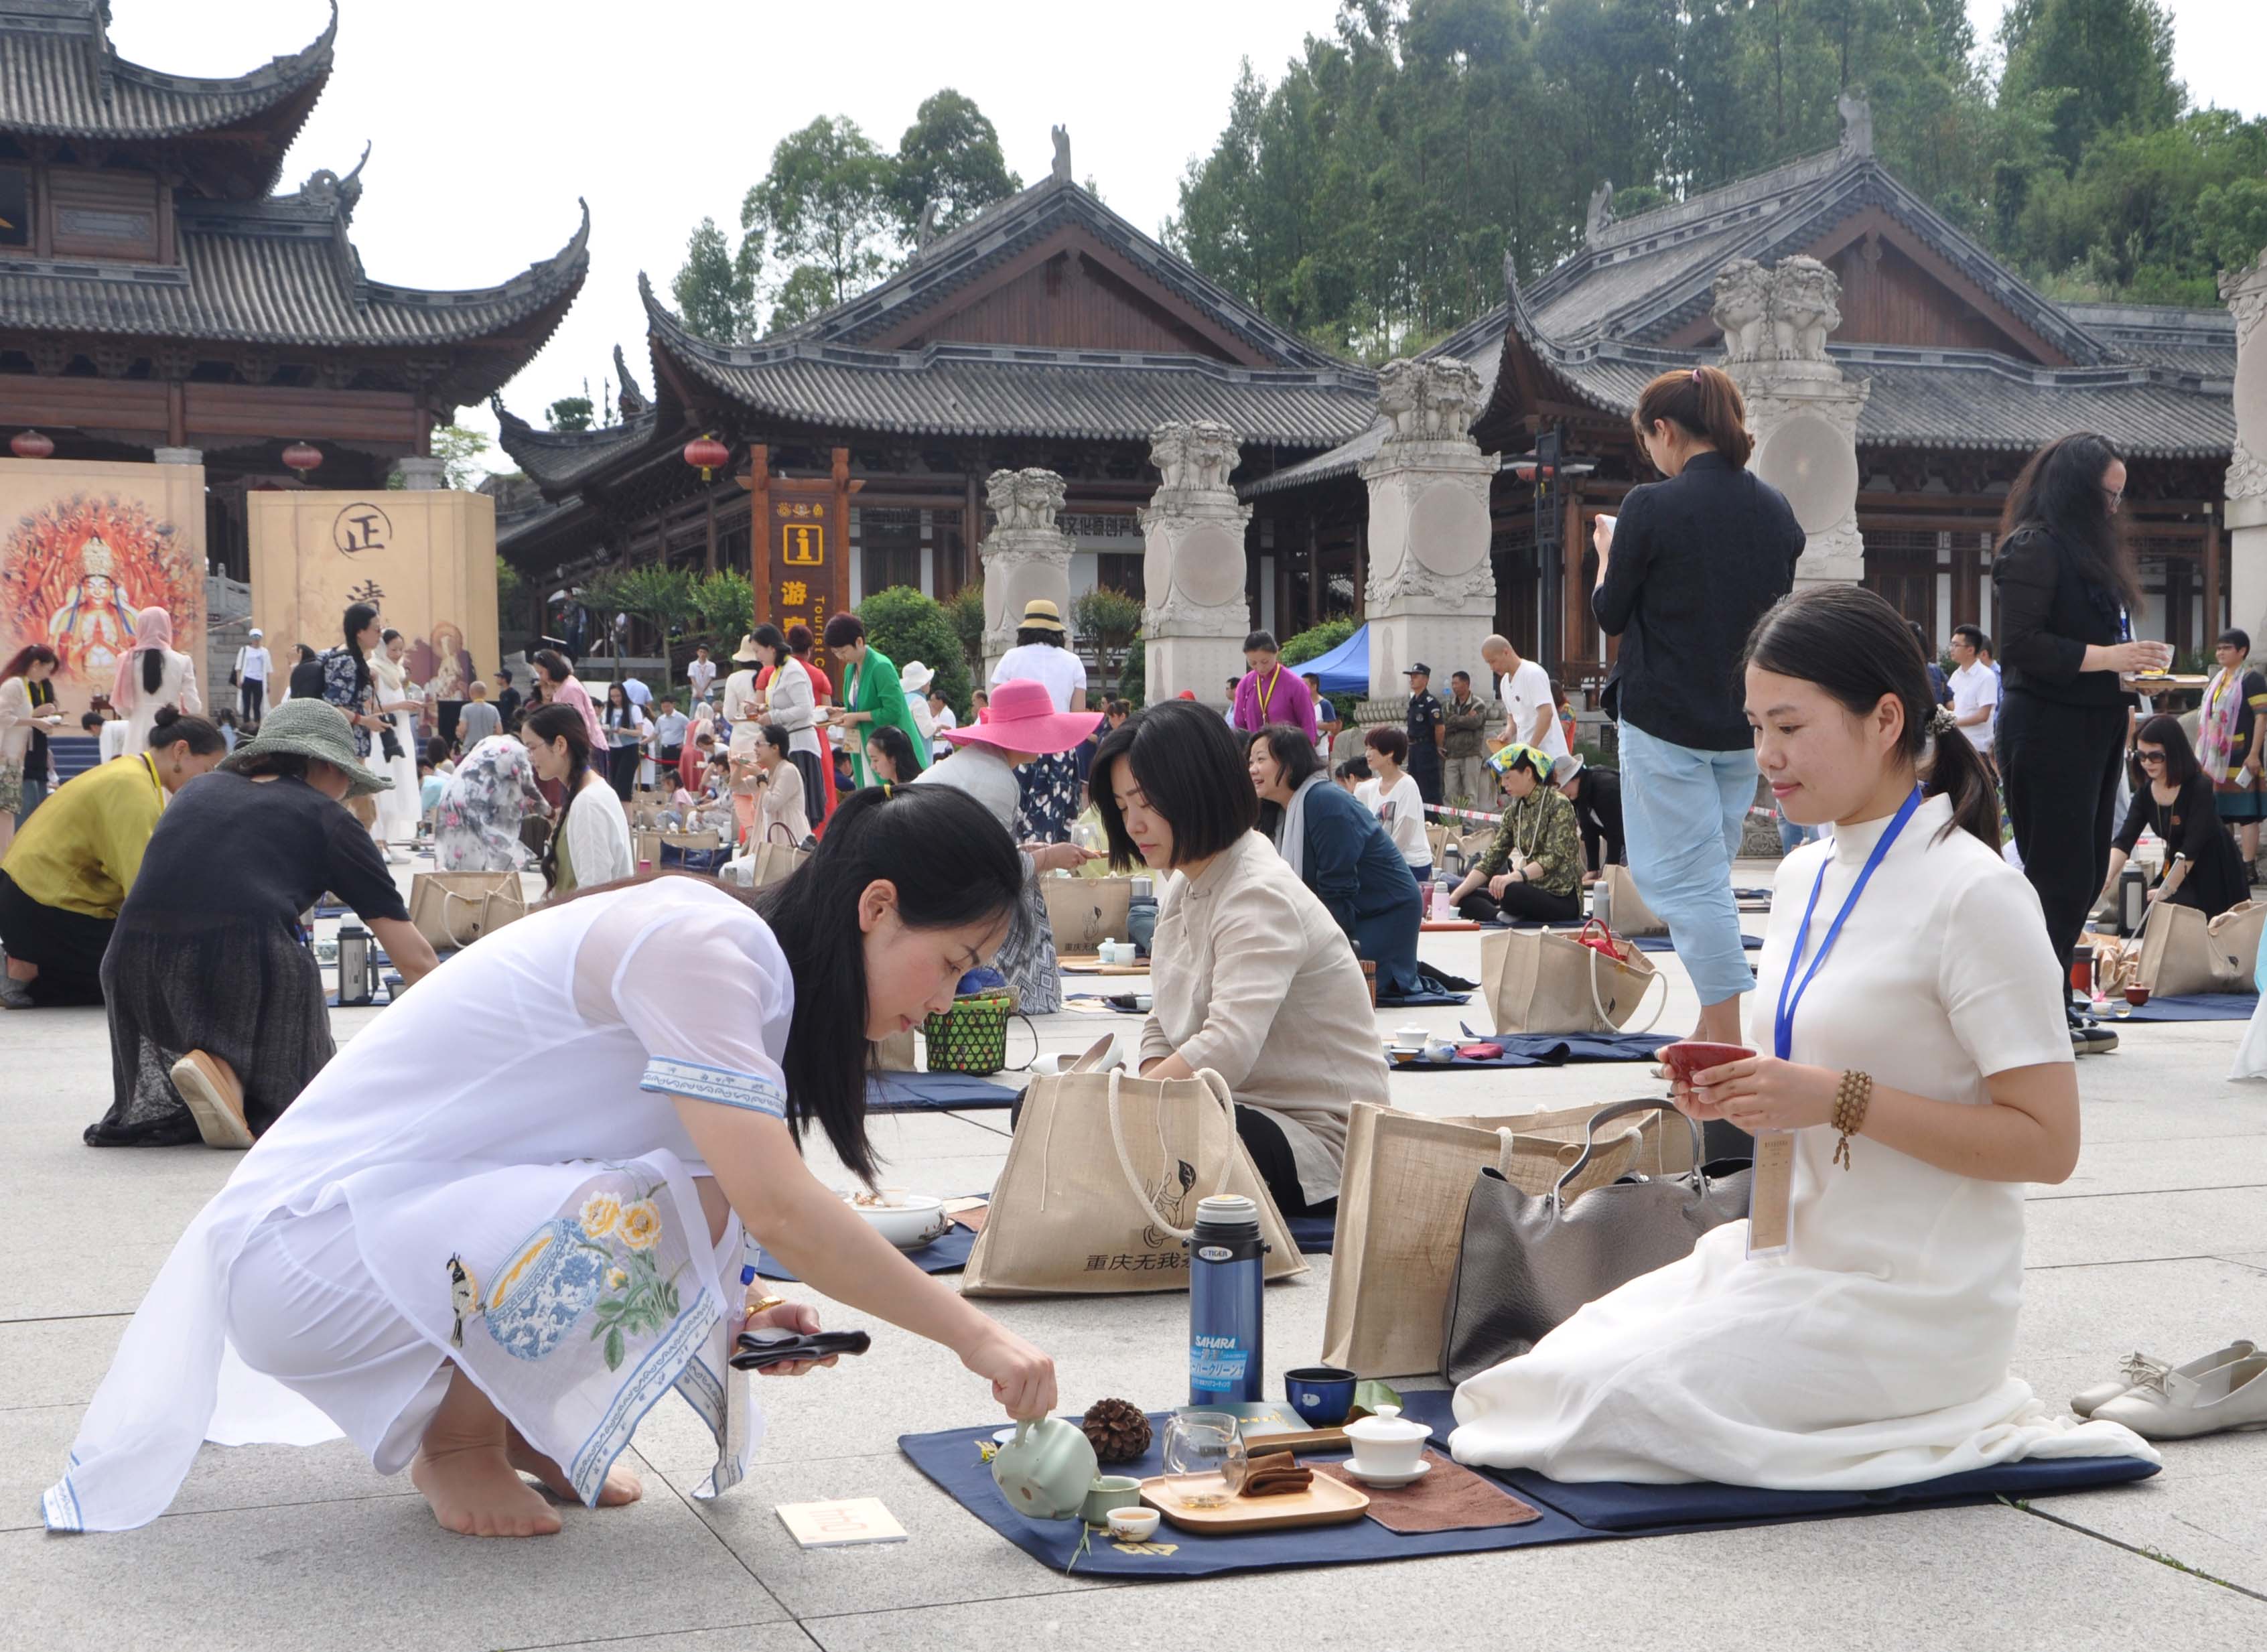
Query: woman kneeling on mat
point(486, 1247)
point(1251, 974)
point(1533, 871)
point(1920, 1059)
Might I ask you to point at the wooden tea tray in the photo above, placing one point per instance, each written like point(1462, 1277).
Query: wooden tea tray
point(1435, 926)
point(1327, 1502)
point(1091, 963)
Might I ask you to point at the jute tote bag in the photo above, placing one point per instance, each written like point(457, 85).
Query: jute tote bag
point(1102, 1184)
point(2184, 951)
point(454, 909)
point(1625, 908)
point(1401, 1218)
point(1545, 981)
point(1085, 912)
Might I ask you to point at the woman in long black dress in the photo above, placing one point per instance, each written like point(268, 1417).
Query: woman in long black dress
point(216, 1016)
point(2177, 803)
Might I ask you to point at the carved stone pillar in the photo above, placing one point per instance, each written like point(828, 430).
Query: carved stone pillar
point(1025, 555)
point(1801, 410)
point(1192, 573)
point(1430, 594)
point(423, 475)
point(2245, 290)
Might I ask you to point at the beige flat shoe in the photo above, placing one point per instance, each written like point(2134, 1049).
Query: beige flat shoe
point(216, 1099)
point(2231, 1399)
point(2140, 1369)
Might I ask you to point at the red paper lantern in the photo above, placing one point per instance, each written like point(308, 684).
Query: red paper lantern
point(708, 455)
point(303, 456)
point(31, 444)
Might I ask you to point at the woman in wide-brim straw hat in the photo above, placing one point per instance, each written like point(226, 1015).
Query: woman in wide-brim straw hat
point(1043, 654)
point(1021, 728)
point(216, 1016)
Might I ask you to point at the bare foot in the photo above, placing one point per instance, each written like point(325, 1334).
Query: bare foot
point(476, 1492)
point(622, 1486)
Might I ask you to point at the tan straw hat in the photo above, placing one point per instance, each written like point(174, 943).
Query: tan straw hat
point(1040, 614)
point(747, 654)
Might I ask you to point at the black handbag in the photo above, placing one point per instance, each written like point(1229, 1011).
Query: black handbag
point(1526, 1264)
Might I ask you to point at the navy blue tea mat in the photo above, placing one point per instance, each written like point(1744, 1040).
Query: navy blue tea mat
point(950, 1254)
point(952, 1460)
point(935, 1092)
point(2192, 1007)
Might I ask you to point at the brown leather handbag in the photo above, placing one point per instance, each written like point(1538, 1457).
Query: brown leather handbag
point(1527, 1263)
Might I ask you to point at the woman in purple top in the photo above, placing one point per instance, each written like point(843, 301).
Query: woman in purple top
point(1270, 694)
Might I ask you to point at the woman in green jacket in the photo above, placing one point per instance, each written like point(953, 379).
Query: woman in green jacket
point(870, 694)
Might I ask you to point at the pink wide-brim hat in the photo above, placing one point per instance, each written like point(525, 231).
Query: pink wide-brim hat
point(1023, 718)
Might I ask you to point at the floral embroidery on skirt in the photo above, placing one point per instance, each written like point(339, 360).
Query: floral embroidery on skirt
point(1047, 799)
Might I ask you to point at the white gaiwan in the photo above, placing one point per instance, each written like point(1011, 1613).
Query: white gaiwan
point(1388, 1444)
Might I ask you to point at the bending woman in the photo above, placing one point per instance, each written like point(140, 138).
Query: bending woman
point(485, 1248)
point(1533, 870)
point(1251, 974)
point(1334, 845)
point(476, 826)
point(2177, 803)
point(217, 1018)
point(1921, 1062)
point(590, 840)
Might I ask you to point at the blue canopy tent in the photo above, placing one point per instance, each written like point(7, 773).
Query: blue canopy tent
point(1345, 669)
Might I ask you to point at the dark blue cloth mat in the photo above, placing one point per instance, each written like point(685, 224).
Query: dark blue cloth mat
point(1423, 999)
point(935, 1092)
point(2190, 1007)
point(947, 1255)
point(951, 1460)
point(1546, 1049)
point(1313, 1235)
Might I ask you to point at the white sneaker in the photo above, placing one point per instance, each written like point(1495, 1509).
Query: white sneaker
point(2141, 1369)
point(2232, 1398)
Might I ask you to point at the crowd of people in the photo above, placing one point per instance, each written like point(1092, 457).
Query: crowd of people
point(1928, 1076)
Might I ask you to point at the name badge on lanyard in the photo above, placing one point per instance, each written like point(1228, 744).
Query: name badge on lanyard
point(1768, 1223)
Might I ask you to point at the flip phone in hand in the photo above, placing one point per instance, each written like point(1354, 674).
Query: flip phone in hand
point(760, 1348)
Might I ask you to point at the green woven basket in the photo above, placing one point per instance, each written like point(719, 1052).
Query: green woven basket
point(972, 1037)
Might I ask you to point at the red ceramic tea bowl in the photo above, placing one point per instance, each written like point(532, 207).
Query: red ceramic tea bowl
point(1689, 1056)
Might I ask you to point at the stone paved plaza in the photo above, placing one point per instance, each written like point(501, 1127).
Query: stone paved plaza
point(2159, 1241)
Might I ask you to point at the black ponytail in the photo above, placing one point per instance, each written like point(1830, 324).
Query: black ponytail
point(360, 617)
point(153, 668)
point(562, 722)
point(1853, 645)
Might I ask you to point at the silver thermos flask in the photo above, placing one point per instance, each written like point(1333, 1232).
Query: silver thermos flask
point(354, 969)
point(2132, 900)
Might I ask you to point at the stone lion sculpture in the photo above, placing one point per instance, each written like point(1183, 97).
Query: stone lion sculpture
point(1744, 298)
point(1805, 308)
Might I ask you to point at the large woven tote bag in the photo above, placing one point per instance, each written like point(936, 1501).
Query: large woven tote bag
point(1544, 980)
point(1101, 1188)
point(454, 909)
point(1401, 1216)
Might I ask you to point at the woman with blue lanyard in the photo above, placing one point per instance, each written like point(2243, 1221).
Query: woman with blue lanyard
point(1918, 1059)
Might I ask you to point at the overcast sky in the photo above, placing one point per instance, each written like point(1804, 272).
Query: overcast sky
point(491, 117)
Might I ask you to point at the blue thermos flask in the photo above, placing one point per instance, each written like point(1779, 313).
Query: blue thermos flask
point(1227, 1268)
point(1140, 916)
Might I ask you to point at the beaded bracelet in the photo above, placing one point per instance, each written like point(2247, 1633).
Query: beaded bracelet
point(1851, 1097)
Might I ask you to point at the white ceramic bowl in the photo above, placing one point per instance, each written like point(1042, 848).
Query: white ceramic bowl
point(1132, 1525)
point(918, 1220)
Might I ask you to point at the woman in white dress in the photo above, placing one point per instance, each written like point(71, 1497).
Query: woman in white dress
point(590, 840)
point(151, 674)
point(1919, 1058)
point(398, 704)
point(486, 1246)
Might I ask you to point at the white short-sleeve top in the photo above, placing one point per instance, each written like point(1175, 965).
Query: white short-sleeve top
point(1061, 671)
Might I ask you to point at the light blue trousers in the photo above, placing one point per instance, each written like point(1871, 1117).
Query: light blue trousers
point(1685, 811)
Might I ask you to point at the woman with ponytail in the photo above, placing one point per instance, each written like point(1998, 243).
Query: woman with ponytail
point(1914, 1050)
point(1684, 572)
point(151, 675)
point(590, 840)
point(489, 1242)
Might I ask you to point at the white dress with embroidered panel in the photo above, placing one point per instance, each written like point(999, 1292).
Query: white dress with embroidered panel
point(499, 1178)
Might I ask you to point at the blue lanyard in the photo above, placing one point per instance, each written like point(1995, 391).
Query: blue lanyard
point(1782, 1024)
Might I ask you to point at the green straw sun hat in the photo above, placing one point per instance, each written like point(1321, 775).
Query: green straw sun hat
point(313, 729)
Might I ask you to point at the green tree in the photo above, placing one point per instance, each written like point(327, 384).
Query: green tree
point(723, 609)
point(569, 413)
point(459, 452)
point(1317, 640)
point(1109, 620)
point(716, 287)
point(949, 155)
point(659, 595)
point(966, 608)
point(907, 625)
point(2104, 63)
point(808, 292)
point(826, 205)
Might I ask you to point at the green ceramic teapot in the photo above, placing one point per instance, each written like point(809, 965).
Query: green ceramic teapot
point(1046, 1470)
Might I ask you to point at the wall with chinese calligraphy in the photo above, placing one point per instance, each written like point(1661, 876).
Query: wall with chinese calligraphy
point(88, 546)
point(428, 561)
point(805, 562)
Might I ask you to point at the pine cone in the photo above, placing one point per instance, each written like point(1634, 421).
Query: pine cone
point(1120, 1432)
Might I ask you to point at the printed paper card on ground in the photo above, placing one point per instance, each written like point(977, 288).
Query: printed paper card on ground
point(839, 1525)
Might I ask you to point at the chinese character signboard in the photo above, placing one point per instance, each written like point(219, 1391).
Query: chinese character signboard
point(427, 560)
point(803, 527)
point(87, 546)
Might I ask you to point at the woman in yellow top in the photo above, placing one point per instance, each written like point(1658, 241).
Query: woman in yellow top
point(67, 873)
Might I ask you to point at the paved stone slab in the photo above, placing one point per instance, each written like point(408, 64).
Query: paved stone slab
point(771, 1637)
point(2215, 1524)
point(2212, 1223)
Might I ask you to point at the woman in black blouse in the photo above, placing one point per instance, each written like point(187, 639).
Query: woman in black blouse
point(2063, 586)
point(2203, 868)
point(217, 1018)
